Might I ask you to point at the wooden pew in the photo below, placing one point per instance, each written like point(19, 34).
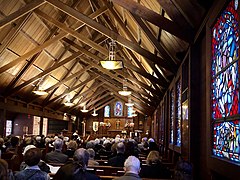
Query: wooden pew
point(106, 170)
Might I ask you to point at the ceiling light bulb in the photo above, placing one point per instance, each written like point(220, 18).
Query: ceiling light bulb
point(94, 113)
point(68, 104)
point(84, 110)
point(40, 92)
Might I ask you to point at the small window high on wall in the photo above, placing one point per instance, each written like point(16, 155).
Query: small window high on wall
point(107, 111)
point(225, 85)
point(118, 109)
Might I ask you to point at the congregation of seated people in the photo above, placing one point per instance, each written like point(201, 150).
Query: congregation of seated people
point(58, 157)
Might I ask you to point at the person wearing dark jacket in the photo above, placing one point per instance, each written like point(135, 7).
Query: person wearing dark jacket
point(118, 160)
point(154, 167)
point(76, 170)
point(56, 156)
point(131, 168)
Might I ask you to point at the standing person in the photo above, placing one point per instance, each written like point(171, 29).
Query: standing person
point(76, 170)
point(131, 168)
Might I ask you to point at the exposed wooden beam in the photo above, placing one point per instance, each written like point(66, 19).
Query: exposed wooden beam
point(101, 49)
point(80, 37)
point(95, 86)
point(162, 51)
point(32, 52)
point(105, 102)
point(71, 89)
point(77, 74)
point(150, 36)
point(155, 19)
point(21, 12)
point(47, 71)
point(96, 100)
point(90, 62)
point(111, 34)
point(13, 33)
point(175, 14)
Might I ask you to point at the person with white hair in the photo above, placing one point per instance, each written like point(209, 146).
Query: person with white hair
point(76, 169)
point(131, 168)
point(57, 156)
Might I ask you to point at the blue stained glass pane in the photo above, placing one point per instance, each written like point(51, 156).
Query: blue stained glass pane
point(172, 116)
point(226, 140)
point(178, 115)
point(130, 109)
point(118, 110)
point(225, 64)
point(225, 84)
point(162, 124)
point(107, 111)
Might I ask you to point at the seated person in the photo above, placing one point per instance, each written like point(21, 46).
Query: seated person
point(76, 170)
point(154, 167)
point(5, 173)
point(118, 160)
point(32, 171)
point(71, 148)
point(131, 168)
point(57, 156)
point(42, 165)
point(91, 161)
point(183, 170)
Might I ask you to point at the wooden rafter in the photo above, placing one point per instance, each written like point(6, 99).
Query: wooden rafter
point(155, 19)
point(111, 34)
point(21, 12)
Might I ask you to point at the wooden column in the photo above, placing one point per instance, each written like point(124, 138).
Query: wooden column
point(2, 122)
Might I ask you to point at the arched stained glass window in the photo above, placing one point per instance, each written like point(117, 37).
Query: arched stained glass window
point(178, 114)
point(118, 110)
point(129, 111)
point(107, 111)
point(225, 84)
point(171, 116)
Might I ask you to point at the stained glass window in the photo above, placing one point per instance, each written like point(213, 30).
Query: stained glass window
point(171, 116)
point(118, 110)
point(226, 141)
point(129, 111)
point(225, 84)
point(225, 65)
point(107, 111)
point(162, 124)
point(178, 114)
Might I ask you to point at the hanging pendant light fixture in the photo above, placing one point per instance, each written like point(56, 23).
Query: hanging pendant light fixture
point(129, 103)
point(68, 102)
point(112, 63)
point(39, 89)
point(125, 91)
point(84, 110)
point(94, 113)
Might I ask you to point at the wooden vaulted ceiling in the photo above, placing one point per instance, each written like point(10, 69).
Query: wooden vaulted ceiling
point(57, 44)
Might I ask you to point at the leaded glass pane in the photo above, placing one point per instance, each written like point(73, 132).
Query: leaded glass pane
point(171, 116)
point(225, 65)
point(107, 111)
point(178, 115)
point(225, 84)
point(129, 110)
point(118, 110)
point(226, 140)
